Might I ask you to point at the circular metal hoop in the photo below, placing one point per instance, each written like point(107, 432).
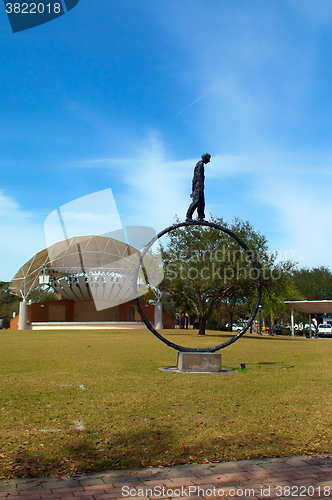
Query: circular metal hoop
point(257, 277)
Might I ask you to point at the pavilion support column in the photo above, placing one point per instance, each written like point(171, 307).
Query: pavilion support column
point(310, 325)
point(23, 316)
point(158, 315)
point(292, 321)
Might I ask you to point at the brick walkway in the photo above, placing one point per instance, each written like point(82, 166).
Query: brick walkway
point(301, 477)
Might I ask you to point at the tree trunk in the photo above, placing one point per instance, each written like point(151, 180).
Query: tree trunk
point(230, 320)
point(272, 324)
point(202, 324)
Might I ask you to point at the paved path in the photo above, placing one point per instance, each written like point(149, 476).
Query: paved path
point(294, 477)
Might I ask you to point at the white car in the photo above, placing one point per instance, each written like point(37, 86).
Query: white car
point(324, 330)
point(235, 328)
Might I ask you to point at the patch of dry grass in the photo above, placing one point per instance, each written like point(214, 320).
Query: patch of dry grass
point(83, 401)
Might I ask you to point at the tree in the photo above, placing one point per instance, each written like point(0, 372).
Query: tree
point(206, 267)
point(9, 303)
point(313, 284)
point(276, 291)
point(43, 294)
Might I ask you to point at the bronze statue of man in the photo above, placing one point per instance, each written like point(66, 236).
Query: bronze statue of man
point(198, 189)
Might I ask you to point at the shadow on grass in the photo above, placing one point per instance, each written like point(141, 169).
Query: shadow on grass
point(194, 333)
point(256, 336)
point(150, 446)
point(84, 452)
point(242, 447)
point(274, 364)
point(229, 335)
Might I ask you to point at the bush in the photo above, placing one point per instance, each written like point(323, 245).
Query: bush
point(213, 324)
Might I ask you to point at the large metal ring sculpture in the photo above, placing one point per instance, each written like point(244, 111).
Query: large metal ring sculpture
point(257, 277)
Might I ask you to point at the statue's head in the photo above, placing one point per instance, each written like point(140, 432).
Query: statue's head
point(206, 157)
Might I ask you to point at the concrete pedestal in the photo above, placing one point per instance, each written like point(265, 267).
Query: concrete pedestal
point(199, 362)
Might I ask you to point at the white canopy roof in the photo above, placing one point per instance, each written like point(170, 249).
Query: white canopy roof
point(311, 306)
point(70, 265)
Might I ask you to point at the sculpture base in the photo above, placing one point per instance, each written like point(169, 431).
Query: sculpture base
point(199, 362)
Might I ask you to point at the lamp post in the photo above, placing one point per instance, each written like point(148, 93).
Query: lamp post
point(260, 319)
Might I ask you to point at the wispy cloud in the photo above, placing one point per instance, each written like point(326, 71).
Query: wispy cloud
point(155, 187)
point(198, 99)
point(10, 209)
point(22, 235)
point(303, 215)
point(279, 195)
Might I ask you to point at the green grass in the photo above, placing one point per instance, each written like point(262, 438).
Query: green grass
point(135, 415)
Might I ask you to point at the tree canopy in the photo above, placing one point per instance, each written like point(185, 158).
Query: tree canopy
point(206, 268)
point(313, 284)
point(8, 303)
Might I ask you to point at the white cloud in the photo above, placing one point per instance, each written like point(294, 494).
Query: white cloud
point(22, 236)
point(155, 187)
point(10, 208)
point(304, 214)
point(285, 196)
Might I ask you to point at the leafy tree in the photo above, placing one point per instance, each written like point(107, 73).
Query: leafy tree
point(205, 267)
point(313, 284)
point(8, 303)
point(276, 288)
point(43, 294)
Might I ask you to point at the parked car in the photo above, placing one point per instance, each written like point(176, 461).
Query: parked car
point(235, 327)
point(324, 330)
point(277, 330)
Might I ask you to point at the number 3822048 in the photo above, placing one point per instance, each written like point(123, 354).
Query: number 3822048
point(32, 8)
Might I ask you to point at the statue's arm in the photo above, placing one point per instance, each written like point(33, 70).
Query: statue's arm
point(195, 178)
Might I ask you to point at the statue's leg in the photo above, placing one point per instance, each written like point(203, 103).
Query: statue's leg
point(190, 210)
point(201, 207)
point(192, 207)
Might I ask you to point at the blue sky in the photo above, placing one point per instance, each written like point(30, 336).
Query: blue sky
point(127, 95)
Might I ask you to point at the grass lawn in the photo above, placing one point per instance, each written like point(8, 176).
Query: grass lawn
point(83, 401)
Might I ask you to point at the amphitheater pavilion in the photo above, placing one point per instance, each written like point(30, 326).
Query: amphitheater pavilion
point(92, 279)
